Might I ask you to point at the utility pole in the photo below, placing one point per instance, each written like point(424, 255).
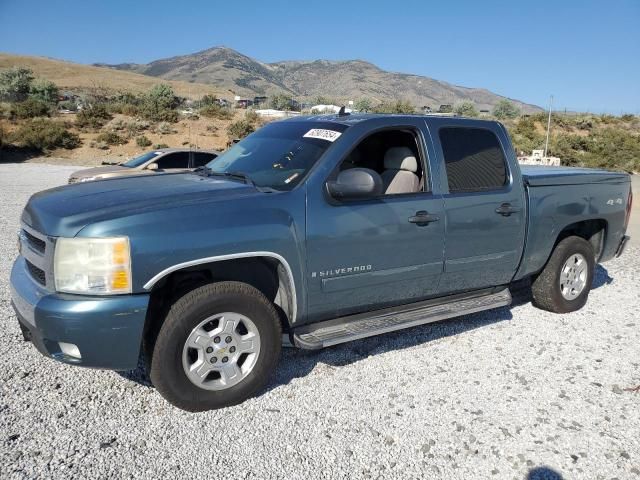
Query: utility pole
point(546, 143)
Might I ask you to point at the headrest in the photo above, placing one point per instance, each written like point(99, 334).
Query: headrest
point(400, 158)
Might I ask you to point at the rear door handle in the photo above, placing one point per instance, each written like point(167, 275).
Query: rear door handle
point(423, 218)
point(506, 209)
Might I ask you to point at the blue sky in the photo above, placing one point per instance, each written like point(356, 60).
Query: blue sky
point(585, 53)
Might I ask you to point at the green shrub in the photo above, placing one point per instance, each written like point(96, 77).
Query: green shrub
point(143, 141)
point(466, 109)
point(399, 106)
point(158, 146)
point(363, 105)
point(15, 83)
point(44, 90)
point(30, 108)
point(281, 101)
point(159, 103)
point(93, 116)
point(111, 138)
point(45, 134)
point(68, 105)
point(215, 110)
point(240, 129)
point(505, 109)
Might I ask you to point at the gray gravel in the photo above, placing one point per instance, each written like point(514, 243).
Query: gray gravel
point(511, 393)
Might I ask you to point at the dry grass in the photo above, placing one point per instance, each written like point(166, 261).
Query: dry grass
point(74, 76)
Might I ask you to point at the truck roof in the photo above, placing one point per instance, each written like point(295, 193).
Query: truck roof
point(353, 118)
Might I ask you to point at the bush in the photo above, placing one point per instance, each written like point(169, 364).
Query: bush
point(399, 106)
point(68, 105)
point(45, 134)
point(466, 109)
point(15, 83)
point(164, 128)
point(281, 101)
point(93, 116)
point(111, 138)
point(363, 105)
point(158, 146)
point(159, 104)
point(505, 109)
point(143, 141)
point(215, 110)
point(30, 108)
point(44, 90)
point(240, 129)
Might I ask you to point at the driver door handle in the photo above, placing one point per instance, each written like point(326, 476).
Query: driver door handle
point(423, 218)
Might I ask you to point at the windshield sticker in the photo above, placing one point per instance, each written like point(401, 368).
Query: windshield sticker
point(322, 134)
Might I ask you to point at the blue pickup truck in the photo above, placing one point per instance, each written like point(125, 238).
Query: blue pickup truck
point(312, 231)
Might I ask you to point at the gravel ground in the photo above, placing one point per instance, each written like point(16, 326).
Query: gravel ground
point(511, 393)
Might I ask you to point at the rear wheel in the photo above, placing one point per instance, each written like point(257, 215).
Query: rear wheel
point(218, 346)
point(563, 285)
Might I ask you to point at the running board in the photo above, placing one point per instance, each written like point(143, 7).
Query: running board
point(353, 327)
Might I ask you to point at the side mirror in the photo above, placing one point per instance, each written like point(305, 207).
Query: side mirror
point(152, 166)
point(356, 183)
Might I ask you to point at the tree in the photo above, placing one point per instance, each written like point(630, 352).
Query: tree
point(399, 106)
point(44, 90)
point(159, 103)
point(466, 109)
point(280, 101)
point(15, 83)
point(505, 109)
point(363, 105)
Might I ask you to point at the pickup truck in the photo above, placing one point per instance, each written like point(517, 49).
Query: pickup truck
point(311, 231)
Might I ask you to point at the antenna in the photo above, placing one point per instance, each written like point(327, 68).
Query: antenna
point(342, 112)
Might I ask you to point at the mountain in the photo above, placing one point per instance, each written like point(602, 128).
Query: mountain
point(239, 74)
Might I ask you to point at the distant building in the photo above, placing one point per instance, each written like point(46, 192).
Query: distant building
point(257, 101)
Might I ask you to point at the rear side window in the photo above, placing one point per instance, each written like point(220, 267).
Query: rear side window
point(473, 158)
point(174, 160)
point(200, 159)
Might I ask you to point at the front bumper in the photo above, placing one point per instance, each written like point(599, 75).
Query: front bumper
point(106, 330)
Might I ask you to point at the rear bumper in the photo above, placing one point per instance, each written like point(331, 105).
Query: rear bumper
point(106, 330)
point(623, 243)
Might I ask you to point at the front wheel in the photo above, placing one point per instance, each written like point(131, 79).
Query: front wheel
point(218, 346)
point(563, 285)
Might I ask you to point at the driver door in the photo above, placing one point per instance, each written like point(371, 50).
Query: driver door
point(173, 162)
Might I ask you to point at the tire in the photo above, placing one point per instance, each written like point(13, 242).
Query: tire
point(173, 361)
point(547, 288)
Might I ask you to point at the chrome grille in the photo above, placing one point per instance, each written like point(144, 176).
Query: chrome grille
point(37, 273)
point(37, 250)
point(34, 242)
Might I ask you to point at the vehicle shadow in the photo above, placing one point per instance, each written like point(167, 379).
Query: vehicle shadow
point(13, 154)
point(296, 363)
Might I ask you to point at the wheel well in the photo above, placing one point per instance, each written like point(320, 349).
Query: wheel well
point(594, 231)
point(266, 274)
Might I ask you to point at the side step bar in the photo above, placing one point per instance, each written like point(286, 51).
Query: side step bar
point(353, 327)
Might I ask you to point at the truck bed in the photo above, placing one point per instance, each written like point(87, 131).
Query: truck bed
point(538, 175)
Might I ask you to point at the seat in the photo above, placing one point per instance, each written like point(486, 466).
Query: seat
point(399, 175)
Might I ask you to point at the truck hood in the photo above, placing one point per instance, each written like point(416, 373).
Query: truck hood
point(92, 172)
point(64, 211)
point(537, 175)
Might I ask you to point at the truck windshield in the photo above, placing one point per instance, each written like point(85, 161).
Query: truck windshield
point(280, 154)
point(137, 161)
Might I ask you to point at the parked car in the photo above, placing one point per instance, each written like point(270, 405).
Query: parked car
point(325, 229)
point(156, 161)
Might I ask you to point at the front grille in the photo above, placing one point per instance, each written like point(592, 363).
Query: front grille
point(37, 273)
point(35, 242)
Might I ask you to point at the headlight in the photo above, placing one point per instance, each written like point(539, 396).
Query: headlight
point(100, 266)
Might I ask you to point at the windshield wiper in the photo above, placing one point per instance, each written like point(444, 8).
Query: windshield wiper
point(234, 175)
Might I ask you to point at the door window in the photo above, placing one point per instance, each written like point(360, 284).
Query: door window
point(395, 156)
point(473, 158)
point(173, 160)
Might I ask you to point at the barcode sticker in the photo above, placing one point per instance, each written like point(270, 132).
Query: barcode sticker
point(322, 134)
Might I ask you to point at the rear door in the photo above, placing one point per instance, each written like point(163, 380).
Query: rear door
point(484, 206)
point(200, 159)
